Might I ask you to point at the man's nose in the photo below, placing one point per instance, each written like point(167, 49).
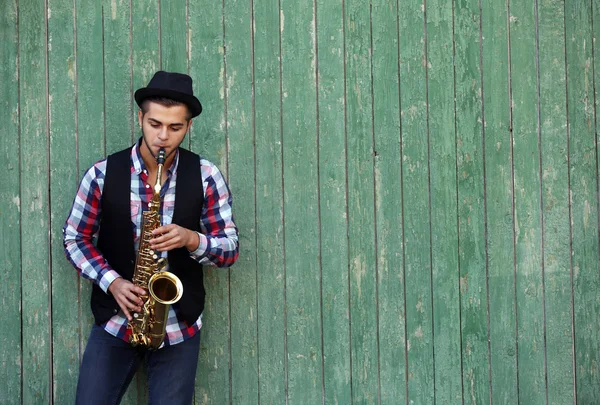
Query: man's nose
point(163, 134)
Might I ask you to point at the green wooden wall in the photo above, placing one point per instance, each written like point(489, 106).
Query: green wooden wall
point(415, 183)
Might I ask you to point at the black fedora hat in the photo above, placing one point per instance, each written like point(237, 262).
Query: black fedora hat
point(176, 86)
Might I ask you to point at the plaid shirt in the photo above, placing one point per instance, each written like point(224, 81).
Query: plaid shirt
point(218, 237)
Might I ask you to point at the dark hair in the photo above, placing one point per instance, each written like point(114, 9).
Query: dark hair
point(165, 102)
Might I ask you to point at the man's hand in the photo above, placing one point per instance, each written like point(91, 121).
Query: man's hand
point(127, 296)
point(173, 236)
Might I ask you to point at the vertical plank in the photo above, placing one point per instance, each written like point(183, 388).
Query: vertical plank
point(208, 138)
point(333, 202)
point(90, 119)
point(388, 207)
point(583, 172)
point(361, 234)
point(11, 356)
point(300, 171)
point(555, 199)
point(173, 35)
point(528, 226)
point(239, 89)
point(444, 225)
point(117, 70)
point(415, 185)
point(63, 183)
point(269, 206)
point(35, 202)
point(499, 197)
point(471, 214)
point(145, 51)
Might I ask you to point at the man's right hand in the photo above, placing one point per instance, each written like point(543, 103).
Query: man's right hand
point(127, 296)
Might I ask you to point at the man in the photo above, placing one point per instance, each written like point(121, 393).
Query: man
point(102, 233)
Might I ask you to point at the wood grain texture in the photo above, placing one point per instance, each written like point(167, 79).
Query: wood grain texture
point(416, 208)
point(11, 355)
point(555, 209)
point(528, 226)
point(361, 206)
point(388, 206)
point(174, 35)
point(36, 338)
point(471, 204)
point(63, 182)
point(301, 206)
point(208, 137)
point(144, 48)
point(118, 93)
point(241, 136)
point(444, 223)
point(499, 198)
point(269, 203)
point(583, 181)
point(333, 202)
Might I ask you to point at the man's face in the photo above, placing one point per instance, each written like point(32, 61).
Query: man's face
point(163, 127)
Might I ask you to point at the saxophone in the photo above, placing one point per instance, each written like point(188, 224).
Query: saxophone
point(164, 288)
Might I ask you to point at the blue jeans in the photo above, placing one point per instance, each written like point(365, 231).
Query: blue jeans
point(109, 364)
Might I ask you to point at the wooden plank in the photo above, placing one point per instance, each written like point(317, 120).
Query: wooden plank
point(471, 215)
point(174, 35)
point(269, 207)
point(361, 210)
point(333, 202)
point(388, 195)
point(415, 191)
point(208, 138)
point(240, 133)
point(527, 215)
point(555, 198)
point(63, 186)
point(145, 51)
point(11, 357)
point(444, 224)
point(117, 71)
point(36, 336)
point(583, 181)
point(90, 120)
point(145, 48)
point(499, 197)
point(301, 230)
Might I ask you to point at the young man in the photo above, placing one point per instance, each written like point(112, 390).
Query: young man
point(197, 229)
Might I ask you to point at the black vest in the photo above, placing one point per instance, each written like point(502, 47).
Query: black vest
point(115, 239)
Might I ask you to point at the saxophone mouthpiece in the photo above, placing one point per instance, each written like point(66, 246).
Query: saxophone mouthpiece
point(160, 159)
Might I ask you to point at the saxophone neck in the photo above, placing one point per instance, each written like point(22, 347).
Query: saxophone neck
point(160, 161)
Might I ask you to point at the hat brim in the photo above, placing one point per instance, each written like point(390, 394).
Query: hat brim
point(192, 102)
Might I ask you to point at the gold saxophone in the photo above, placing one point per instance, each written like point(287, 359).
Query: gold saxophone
point(148, 326)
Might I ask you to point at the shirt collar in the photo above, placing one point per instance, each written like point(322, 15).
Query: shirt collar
point(138, 163)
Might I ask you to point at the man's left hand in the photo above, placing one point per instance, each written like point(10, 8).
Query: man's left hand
point(173, 236)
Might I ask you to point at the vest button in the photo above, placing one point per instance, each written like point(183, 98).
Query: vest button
point(115, 311)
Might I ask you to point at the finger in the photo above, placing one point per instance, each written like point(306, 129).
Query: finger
point(169, 245)
point(160, 239)
point(163, 229)
point(133, 300)
point(125, 310)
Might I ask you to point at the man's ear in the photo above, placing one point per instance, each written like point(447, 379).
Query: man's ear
point(140, 116)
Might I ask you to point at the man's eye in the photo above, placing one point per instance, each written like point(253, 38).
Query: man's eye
point(155, 125)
